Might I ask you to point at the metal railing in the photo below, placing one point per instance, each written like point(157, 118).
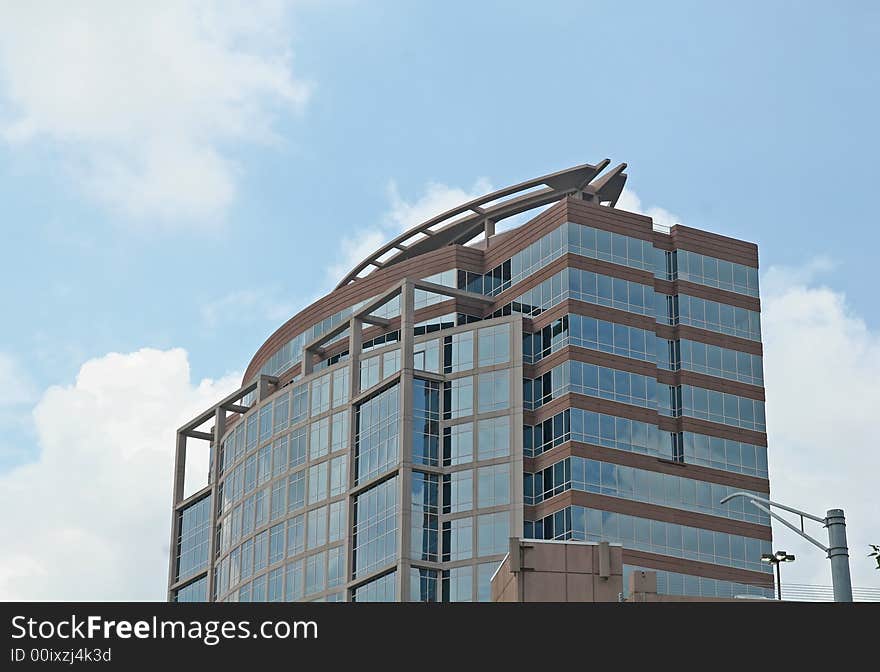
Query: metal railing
point(803, 592)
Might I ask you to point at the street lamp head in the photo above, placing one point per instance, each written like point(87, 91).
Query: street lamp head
point(768, 557)
point(781, 555)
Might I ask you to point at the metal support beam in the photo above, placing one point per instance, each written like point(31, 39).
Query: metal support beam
point(837, 550)
point(176, 498)
point(407, 322)
point(489, 229)
point(213, 480)
point(355, 343)
point(453, 292)
point(377, 321)
point(238, 395)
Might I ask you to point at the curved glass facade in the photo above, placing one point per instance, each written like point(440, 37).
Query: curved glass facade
point(296, 522)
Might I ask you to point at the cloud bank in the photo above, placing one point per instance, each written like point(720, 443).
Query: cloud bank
point(89, 520)
point(143, 101)
point(822, 364)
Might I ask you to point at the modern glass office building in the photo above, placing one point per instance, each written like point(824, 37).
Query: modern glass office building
point(581, 376)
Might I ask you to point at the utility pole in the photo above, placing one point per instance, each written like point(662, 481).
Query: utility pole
point(837, 550)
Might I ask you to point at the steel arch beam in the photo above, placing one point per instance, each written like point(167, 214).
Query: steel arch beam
point(464, 222)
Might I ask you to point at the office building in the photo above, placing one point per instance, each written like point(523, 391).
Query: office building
point(583, 375)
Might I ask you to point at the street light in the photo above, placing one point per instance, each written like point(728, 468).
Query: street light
point(777, 559)
point(837, 551)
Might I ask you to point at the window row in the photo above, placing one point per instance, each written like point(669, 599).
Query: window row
point(639, 437)
point(652, 487)
point(522, 264)
point(590, 380)
point(674, 583)
point(718, 453)
point(586, 286)
point(653, 536)
point(710, 315)
point(705, 270)
point(585, 241)
point(599, 429)
point(722, 407)
point(625, 341)
point(588, 332)
point(493, 433)
point(572, 283)
point(712, 360)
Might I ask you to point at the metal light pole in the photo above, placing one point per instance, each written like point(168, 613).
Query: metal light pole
point(837, 551)
point(777, 559)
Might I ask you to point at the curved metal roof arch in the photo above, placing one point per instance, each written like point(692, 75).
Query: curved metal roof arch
point(468, 220)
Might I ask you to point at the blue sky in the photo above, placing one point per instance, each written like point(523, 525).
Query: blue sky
point(161, 174)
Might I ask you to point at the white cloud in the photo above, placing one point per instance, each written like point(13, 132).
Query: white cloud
point(822, 364)
point(144, 100)
point(93, 512)
point(402, 215)
point(436, 198)
point(630, 201)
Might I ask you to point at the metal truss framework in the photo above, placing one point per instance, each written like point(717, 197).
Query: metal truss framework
point(465, 222)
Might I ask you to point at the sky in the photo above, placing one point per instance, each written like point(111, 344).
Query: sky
point(163, 166)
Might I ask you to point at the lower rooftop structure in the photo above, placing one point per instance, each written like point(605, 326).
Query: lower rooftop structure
point(578, 571)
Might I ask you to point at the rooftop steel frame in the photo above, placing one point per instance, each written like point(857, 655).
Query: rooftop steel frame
point(465, 222)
